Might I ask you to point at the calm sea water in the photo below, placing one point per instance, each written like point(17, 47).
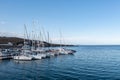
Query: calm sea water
point(88, 63)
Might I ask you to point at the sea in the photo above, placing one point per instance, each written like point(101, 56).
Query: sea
point(90, 62)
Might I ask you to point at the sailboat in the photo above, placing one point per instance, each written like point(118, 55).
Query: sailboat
point(5, 55)
point(23, 57)
point(25, 54)
point(64, 51)
point(37, 52)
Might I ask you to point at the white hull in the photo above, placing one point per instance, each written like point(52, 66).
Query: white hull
point(38, 56)
point(65, 51)
point(22, 57)
point(5, 56)
point(50, 54)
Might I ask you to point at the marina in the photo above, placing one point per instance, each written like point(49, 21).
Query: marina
point(28, 55)
point(31, 49)
point(59, 39)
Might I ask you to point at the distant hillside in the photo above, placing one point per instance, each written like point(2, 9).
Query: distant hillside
point(14, 40)
point(19, 42)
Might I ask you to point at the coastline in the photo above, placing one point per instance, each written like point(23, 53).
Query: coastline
point(16, 42)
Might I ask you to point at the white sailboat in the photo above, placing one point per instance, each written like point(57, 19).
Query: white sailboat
point(64, 51)
point(22, 57)
point(25, 54)
point(5, 55)
point(37, 53)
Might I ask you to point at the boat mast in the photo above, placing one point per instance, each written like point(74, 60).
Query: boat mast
point(26, 32)
point(41, 39)
point(33, 36)
point(44, 34)
point(60, 39)
point(24, 39)
point(48, 40)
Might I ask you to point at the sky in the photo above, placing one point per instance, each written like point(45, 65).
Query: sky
point(85, 22)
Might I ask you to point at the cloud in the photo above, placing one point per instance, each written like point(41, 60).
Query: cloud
point(82, 40)
point(67, 40)
point(10, 34)
point(2, 22)
point(85, 40)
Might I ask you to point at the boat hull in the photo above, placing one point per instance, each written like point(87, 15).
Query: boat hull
point(22, 58)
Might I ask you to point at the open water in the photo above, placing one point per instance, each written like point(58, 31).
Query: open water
point(88, 63)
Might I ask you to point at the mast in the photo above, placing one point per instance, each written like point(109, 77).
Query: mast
point(26, 31)
point(44, 34)
point(33, 36)
point(60, 39)
point(48, 40)
point(48, 37)
point(24, 35)
point(41, 38)
point(24, 39)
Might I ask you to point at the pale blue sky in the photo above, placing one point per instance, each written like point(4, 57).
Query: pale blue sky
point(81, 21)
